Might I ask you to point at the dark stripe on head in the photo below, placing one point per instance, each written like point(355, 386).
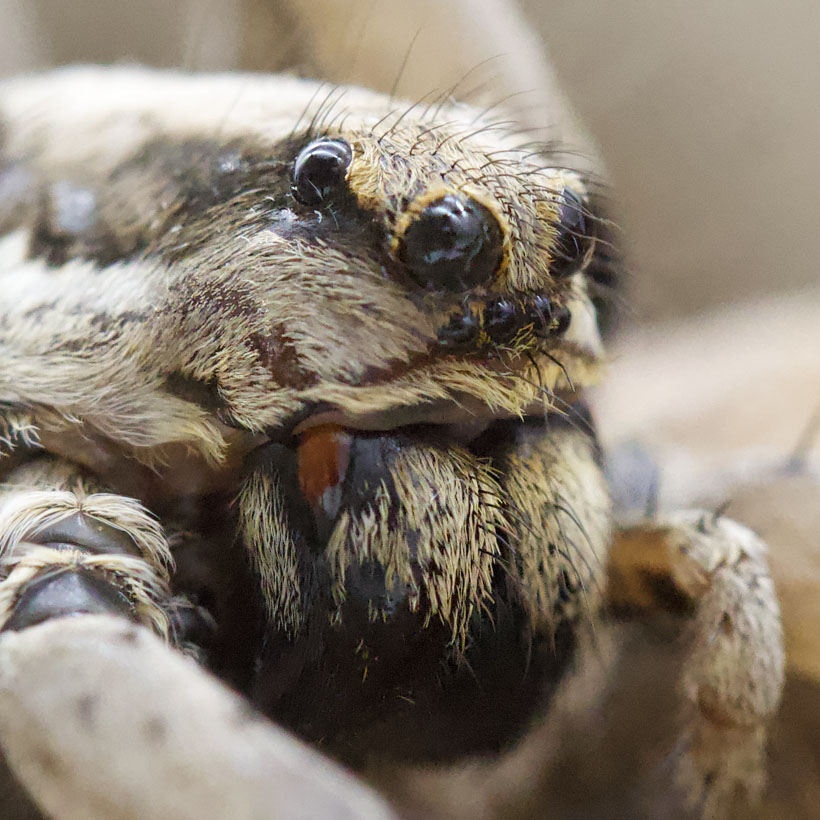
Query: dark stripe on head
point(153, 194)
point(173, 197)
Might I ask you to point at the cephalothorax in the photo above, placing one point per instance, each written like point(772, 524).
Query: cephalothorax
point(338, 348)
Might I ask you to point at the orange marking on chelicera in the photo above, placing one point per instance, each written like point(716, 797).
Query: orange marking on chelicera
point(322, 455)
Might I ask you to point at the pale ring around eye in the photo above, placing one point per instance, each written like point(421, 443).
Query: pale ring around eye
point(453, 244)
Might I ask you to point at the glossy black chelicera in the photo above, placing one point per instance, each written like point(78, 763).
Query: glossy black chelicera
point(394, 688)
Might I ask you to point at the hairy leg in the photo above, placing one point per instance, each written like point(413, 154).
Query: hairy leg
point(665, 713)
point(67, 546)
point(713, 572)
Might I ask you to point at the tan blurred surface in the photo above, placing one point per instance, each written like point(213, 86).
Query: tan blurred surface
point(483, 49)
point(724, 393)
point(707, 115)
point(20, 46)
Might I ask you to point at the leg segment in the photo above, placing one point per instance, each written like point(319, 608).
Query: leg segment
point(68, 547)
point(714, 571)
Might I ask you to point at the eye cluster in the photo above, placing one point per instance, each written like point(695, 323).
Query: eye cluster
point(502, 321)
point(449, 243)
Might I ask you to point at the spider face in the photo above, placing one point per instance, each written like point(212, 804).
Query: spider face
point(376, 329)
point(380, 271)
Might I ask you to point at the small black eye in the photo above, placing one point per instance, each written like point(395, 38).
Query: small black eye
point(539, 311)
point(574, 235)
point(501, 320)
point(319, 171)
point(562, 319)
point(454, 244)
point(461, 331)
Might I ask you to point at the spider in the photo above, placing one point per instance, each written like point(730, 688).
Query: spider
point(301, 390)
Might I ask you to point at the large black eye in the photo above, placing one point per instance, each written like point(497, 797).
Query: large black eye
point(454, 244)
point(574, 235)
point(319, 171)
